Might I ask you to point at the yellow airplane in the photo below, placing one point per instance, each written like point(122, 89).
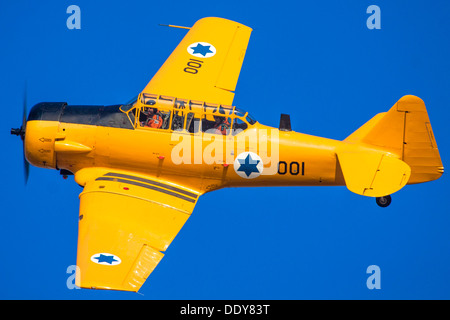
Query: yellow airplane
point(143, 165)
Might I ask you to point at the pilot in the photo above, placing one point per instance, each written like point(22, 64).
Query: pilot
point(154, 119)
point(222, 125)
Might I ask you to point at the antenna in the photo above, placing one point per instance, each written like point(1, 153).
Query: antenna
point(285, 122)
point(173, 26)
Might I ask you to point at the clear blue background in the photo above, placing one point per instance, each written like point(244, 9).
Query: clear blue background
point(315, 60)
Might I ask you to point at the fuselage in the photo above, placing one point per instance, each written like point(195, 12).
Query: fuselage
point(74, 138)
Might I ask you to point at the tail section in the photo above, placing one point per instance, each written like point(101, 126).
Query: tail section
point(405, 131)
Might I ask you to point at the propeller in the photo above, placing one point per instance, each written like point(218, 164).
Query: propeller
point(21, 132)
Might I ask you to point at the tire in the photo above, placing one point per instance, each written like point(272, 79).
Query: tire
point(384, 201)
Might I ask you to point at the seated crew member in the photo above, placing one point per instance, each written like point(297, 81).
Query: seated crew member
point(147, 112)
point(154, 119)
point(221, 125)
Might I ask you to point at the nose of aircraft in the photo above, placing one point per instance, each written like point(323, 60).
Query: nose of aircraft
point(41, 129)
point(38, 134)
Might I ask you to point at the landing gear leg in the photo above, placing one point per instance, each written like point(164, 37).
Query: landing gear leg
point(384, 201)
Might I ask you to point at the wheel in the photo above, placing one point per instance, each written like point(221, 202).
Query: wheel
point(384, 201)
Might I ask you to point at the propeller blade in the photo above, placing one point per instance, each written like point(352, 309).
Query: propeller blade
point(21, 132)
point(24, 112)
point(26, 168)
point(26, 165)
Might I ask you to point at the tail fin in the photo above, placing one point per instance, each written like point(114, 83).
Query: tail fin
point(405, 130)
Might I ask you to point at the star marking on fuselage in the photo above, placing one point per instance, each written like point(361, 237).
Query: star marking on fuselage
point(248, 165)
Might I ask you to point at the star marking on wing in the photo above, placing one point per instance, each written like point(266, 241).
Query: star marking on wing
point(203, 50)
point(105, 258)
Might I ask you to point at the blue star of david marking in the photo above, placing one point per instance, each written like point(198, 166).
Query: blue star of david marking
point(203, 50)
point(248, 165)
point(104, 258)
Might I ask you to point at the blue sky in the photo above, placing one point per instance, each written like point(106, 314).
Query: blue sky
point(315, 60)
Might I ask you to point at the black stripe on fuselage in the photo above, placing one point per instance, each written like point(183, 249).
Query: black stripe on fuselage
point(139, 184)
point(158, 184)
point(103, 116)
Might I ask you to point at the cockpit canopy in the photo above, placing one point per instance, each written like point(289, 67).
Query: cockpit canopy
point(150, 111)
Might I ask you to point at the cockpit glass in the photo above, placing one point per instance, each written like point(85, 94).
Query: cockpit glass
point(239, 112)
point(244, 114)
point(250, 119)
point(238, 126)
point(130, 104)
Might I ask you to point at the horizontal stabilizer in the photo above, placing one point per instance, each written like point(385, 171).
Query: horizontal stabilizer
point(373, 174)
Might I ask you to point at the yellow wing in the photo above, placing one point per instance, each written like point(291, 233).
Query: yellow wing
point(125, 221)
point(206, 64)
